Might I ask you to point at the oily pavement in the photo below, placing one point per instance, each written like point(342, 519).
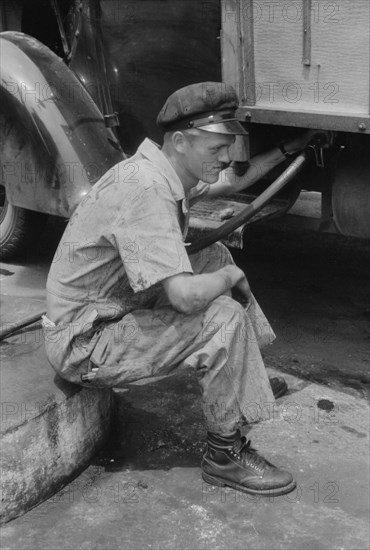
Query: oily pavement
point(144, 490)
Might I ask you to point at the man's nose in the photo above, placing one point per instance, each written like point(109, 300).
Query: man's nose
point(224, 156)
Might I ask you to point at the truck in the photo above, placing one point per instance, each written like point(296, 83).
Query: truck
point(83, 80)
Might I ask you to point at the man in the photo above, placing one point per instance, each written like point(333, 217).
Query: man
point(126, 302)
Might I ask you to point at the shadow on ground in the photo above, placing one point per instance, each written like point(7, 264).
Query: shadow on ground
point(157, 426)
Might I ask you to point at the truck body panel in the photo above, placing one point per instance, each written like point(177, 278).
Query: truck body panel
point(300, 63)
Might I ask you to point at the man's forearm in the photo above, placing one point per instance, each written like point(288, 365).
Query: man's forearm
point(199, 290)
point(259, 166)
point(208, 286)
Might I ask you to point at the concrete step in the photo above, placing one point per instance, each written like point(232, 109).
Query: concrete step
point(50, 429)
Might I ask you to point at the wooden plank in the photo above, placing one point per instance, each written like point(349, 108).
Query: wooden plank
point(340, 122)
point(232, 65)
point(231, 68)
point(247, 43)
point(307, 7)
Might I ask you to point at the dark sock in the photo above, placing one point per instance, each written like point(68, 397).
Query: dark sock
point(222, 439)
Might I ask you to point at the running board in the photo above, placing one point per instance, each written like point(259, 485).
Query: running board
point(206, 215)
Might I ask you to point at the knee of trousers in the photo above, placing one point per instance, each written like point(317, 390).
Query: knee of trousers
point(211, 258)
point(221, 252)
point(226, 317)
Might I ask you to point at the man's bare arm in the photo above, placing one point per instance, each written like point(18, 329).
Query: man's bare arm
point(189, 293)
point(259, 166)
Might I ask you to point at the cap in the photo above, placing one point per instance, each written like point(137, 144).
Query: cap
point(209, 106)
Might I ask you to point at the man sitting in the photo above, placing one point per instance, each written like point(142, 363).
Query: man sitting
point(125, 301)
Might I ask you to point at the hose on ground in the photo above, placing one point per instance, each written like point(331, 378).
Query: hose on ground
point(10, 328)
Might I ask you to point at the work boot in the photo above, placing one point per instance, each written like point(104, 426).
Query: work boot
point(231, 461)
point(278, 385)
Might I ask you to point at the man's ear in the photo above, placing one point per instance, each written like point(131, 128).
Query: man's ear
point(179, 142)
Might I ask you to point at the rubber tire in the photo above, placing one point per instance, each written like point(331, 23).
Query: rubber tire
point(351, 191)
point(18, 228)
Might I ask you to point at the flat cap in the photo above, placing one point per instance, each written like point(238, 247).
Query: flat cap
point(209, 106)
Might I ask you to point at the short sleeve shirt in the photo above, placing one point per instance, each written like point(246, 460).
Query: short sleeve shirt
point(125, 237)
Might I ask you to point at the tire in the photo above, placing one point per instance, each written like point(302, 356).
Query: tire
point(351, 190)
point(18, 227)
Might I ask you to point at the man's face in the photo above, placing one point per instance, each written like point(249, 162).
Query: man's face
point(207, 154)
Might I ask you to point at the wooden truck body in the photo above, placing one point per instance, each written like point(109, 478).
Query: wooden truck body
point(306, 64)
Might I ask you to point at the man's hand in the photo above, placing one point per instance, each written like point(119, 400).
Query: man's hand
point(241, 291)
point(298, 144)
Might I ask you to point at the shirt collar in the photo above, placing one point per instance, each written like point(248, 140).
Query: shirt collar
point(150, 150)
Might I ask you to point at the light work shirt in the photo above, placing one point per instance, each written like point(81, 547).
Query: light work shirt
point(125, 237)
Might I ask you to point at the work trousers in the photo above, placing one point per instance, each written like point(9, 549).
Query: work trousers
point(221, 343)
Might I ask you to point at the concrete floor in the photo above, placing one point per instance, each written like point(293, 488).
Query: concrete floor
point(145, 490)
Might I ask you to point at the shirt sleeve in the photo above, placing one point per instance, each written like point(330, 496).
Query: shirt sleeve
point(149, 237)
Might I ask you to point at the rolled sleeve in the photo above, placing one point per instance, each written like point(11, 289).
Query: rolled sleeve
point(149, 238)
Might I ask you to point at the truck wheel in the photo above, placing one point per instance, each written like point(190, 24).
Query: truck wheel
point(18, 227)
point(351, 191)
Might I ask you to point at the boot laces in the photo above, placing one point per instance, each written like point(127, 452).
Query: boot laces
point(242, 449)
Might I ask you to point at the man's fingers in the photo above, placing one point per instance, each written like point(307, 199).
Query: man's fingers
point(244, 288)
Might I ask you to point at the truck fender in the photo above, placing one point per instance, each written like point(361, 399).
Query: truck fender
point(54, 143)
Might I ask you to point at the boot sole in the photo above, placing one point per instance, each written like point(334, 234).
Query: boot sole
point(277, 491)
